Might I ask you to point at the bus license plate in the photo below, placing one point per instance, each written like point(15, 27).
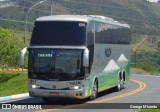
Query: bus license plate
point(53, 94)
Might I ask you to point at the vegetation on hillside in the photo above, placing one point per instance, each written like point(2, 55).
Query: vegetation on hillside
point(148, 61)
point(143, 17)
point(10, 47)
point(147, 55)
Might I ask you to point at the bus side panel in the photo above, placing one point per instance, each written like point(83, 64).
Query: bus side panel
point(88, 85)
point(107, 65)
point(127, 71)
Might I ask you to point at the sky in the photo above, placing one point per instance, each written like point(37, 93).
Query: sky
point(152, 0)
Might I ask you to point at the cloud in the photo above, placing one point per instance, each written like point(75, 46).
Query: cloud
point(152, 0)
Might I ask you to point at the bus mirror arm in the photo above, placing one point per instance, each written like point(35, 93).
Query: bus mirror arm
point(86, 58)
point(21, 56)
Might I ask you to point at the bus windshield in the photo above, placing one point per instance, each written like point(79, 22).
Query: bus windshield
point(56, 64)
point(59, 33)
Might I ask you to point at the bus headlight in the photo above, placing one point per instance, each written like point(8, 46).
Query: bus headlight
point(75, 87)
point(35, 86)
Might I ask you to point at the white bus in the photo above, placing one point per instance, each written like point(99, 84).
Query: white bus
point(77, 56)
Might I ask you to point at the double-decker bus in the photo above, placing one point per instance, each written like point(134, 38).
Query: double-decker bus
point(77, 56)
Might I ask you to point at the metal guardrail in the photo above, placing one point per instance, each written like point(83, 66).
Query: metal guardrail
point(13, 70)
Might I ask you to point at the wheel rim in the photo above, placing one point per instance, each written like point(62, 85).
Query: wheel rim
point(119, 84)
point(95, 90)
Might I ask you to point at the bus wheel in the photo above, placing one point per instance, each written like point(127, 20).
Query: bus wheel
point(120, 84)
point(47, 100)
point(94, 91)
point(123, 84)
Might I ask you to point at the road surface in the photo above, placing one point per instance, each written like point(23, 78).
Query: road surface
point(140, 89)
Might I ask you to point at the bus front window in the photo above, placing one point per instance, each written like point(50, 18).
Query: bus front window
point(56, 63)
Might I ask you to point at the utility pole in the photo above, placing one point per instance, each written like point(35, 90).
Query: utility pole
point(51, 6)
point(135, 56)
point(25, 33)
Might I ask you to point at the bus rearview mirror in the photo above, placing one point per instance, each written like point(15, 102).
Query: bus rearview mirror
point(86, 58)
point(21, 57)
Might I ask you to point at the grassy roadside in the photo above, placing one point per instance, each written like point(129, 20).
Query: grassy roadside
point(141, 71)
point(150, 110)
point(13, 83)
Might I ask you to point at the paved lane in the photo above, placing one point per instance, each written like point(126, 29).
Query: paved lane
point(145, 90)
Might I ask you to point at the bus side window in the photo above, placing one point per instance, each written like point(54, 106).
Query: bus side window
point(90, 43)
point(87, 71)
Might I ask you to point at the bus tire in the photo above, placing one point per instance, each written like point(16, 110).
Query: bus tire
point(94, 91)
point(120, 84)
point(123, 85)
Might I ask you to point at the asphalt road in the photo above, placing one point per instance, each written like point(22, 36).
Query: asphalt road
point(140, 89)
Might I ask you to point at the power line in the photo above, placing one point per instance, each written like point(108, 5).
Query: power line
point(85, 12)
point(11, 20)
point(32, 9)
point(98, 5)
point(35, 9)
point(35, 2)
point(88, 3)
point(102, 14)
point(136, 20)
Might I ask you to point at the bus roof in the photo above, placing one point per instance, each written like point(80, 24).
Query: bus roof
point(83, 18)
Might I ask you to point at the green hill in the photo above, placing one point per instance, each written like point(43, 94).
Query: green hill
point(142, 16)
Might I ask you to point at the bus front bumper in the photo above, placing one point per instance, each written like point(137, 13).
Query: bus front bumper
point(77, 94)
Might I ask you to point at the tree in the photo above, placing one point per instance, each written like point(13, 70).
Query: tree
point(10, 47)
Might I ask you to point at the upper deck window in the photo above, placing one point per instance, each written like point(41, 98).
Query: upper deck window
point(59, 33)
point(111, 34)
